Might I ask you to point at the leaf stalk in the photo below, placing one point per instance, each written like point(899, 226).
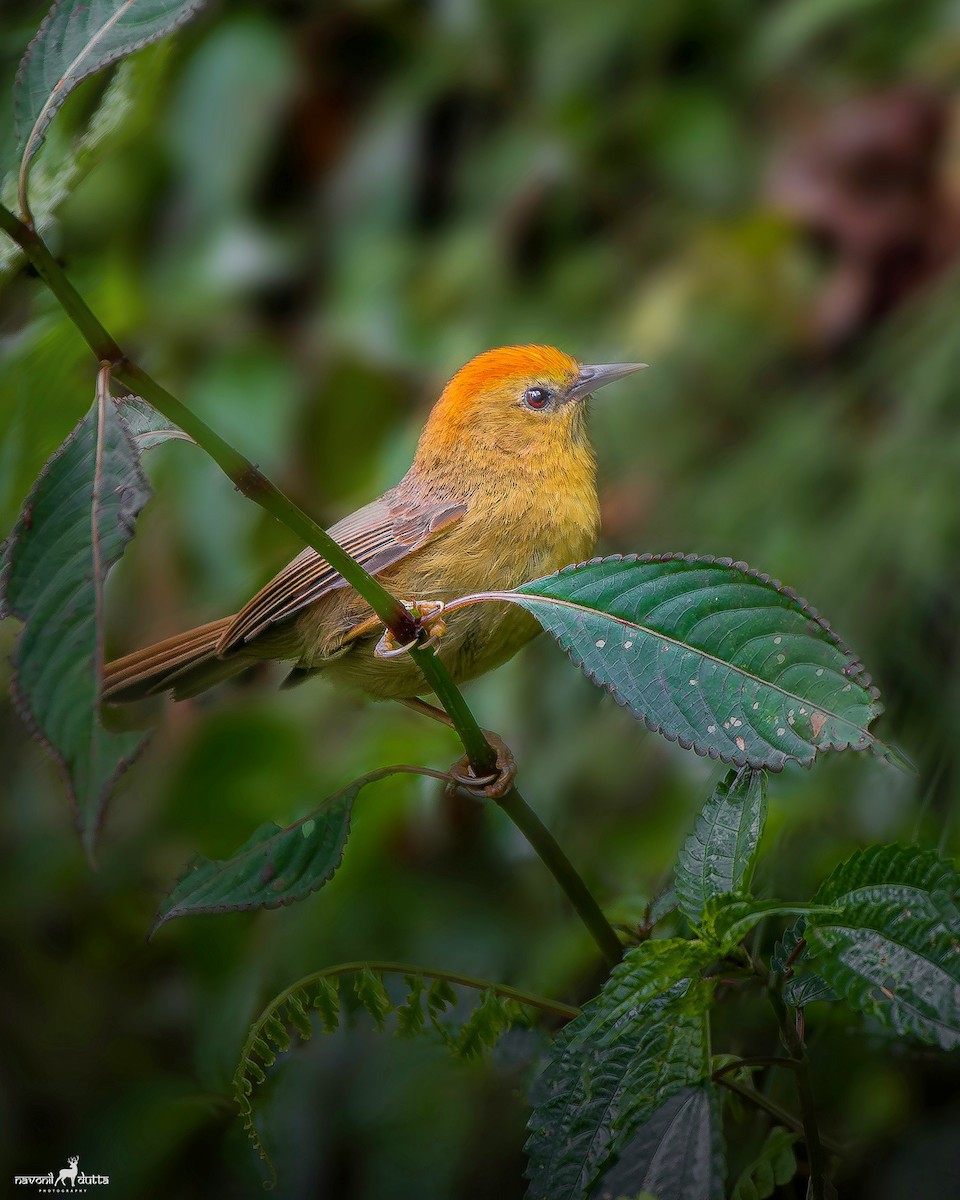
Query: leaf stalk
point(793, 1043)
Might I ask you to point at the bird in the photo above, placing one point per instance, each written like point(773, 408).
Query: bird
point(502, 490)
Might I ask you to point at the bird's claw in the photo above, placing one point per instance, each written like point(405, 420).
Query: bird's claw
point(428, 615)
point(487, 787)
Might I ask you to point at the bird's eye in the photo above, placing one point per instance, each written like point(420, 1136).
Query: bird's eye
point(536, 397)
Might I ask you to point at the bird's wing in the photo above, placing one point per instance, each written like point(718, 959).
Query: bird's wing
point(377, 535)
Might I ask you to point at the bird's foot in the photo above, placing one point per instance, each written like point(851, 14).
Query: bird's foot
point(487, 787)
point(428, 615)
point(429, 618)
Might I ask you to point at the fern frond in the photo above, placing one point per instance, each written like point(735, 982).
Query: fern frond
point(430, 995)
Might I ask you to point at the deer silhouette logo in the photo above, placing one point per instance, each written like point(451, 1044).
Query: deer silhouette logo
point(69, 1172)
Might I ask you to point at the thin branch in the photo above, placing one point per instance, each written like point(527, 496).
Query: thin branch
point(752, 1096)
point(537, 834)
point(563, 871)
point(793, 1043)
point(755, 1061)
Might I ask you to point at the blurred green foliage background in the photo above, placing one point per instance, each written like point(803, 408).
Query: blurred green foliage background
point(302, 219)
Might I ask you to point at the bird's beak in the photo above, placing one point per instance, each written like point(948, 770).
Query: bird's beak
point(591, 378)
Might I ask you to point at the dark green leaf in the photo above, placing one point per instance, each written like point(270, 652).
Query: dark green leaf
point(148, 428)
point(786, 951)
point(711, 654)
point(804, 989)
point(638, 1043)
point(77, 38)
point(893, 949)
point(893, 874)
point(74, 526)
point(677, 1154)
point(775, 1165)
point(661, 906)
point(274, 866)
point(718, 856)
point(728, 919)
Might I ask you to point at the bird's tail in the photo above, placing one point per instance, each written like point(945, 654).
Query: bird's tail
point(186, 665)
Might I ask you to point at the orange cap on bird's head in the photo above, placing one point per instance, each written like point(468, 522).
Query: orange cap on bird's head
point(516, 397)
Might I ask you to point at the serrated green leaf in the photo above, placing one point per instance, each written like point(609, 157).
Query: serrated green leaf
point(893, 949)
point(677, 1154)
point(121, 116)
point(638, 1043)
point(902, 969)
point(148, 428)
point(728, 919)
point(274, 866)
point(718, 856)
point(74, 526)
point(661, 906)
point(775, 1165)
point(646, 971)
point(807, 988)
point(786, 951)
point(894, 874)
point(715, 656)
point(76, 39)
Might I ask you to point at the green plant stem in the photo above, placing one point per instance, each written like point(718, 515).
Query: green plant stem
point(579, 895)
point(482, 756)
point(794, 1046)
point(752, 1096)
point(754, 1061)
point(251, 481)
